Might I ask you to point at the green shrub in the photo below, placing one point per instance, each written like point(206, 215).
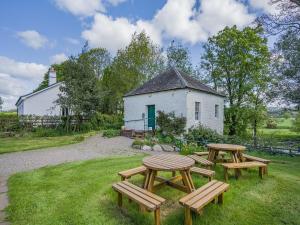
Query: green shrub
point(138, 142)
point(46, 132)
point(9, 121)
point(111, 133)
point(203, 135)
point(104, 121)
point(78, 138)
point(296, 123)
point(189, 149)
point(271, 123)
point(169, 124)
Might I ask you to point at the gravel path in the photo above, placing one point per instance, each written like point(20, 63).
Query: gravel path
point(93, 147)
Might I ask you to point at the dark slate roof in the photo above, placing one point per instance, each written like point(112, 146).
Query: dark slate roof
point(170, 80)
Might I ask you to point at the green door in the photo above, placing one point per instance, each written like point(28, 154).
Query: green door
point(151, 117)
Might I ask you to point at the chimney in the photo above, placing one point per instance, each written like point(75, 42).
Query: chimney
point(52, 76)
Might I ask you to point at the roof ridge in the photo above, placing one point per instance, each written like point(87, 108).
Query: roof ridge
point(180, 77)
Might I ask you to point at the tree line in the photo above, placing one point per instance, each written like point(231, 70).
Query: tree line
point(234, 61)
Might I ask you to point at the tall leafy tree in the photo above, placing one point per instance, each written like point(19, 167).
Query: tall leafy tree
point(238, 58)
point(1, 103)
point(80, 91)
point(179, 56)
point(285, 23)
point(138, 62)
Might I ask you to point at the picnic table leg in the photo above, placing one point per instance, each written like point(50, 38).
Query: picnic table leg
point(220, 199)
point(187, 216)
point(225, 174)
point(157, 216)
point(261, 172)
point(119, 199)
point(150, 180)
point(187, 181)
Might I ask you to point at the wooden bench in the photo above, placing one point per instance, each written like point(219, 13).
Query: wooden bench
point(143, 197)
point(242, 165)
point(131, 172)
point(222, 154)
point(196, 200)
point(203, 172)
point(257, 159)
point(201, 161)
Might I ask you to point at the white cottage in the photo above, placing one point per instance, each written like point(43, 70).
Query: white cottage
point(174, 91)
point(42, 102)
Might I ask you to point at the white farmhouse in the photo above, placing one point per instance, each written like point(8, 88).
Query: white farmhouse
point(174, 91)
point(42, 102)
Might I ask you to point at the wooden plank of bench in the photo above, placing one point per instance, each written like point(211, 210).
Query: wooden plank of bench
point(206, 153)
point(254, 158)
point(243, 165)
point(201, 160)
point(138, 199)
point(184, 199)
point(215, 190)
point(148, 193)
point(131, 172)
point(203, 172)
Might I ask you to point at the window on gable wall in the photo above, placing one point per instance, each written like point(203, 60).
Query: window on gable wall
point(217, 111)
point(197, 110)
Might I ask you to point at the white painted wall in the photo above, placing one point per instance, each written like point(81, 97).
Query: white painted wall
point(42, 103)
point(167, 101)
point(182, 102)
point(207, 110)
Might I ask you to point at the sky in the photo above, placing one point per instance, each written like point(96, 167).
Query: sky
point(37, 33)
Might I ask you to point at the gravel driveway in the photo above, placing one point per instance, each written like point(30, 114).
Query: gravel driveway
point(93, 147)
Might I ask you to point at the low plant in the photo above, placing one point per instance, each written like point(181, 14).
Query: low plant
point(169, 124)
point(104, 121)
point(111, 133)
point(271, 123)
point(189, 149)
point(203, 135)
point(78, 138)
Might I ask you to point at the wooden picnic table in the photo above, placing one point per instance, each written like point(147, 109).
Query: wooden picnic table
point(234, 150)
point(172, 163)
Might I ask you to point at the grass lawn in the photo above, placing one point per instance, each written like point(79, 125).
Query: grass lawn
point(16, 144)
point(81, 193)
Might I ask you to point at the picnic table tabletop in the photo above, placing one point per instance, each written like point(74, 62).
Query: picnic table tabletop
point(234, 150)
point(168, 162)
point(173, 163)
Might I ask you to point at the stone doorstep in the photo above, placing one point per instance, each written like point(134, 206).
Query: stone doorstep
point(3, 187)
point(2, 216)
point(3, 201)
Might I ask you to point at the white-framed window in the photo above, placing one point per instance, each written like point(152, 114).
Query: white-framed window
point(64, 111)
point(217, 111)
point(197, 110)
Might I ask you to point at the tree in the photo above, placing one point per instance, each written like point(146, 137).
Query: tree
point(287, 17)
point(80, 91)
point(296, 123)
point(286, 22)
point(138, 62)
point(1, 103)
point(179, 57)
point(239, 59)
point(287, 67)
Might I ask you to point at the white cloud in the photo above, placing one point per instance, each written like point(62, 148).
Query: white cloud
point(114, 34)
point(86, 7)
point(264, 5)
point(18, 78)
point(72, 41)
point(32, 39)
point(116, 2)
point(81, 7)
point(21, 69)
point(183, 20)
point(58, 58)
